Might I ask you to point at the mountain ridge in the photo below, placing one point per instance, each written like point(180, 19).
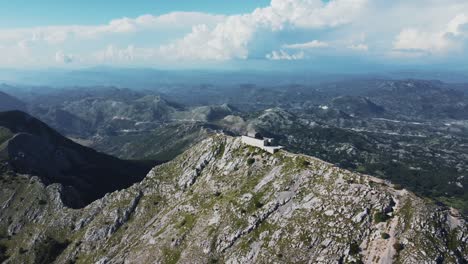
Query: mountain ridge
point(222, 201)
point(32, 147)
point(8, 103)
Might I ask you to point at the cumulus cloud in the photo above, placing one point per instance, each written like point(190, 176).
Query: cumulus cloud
point(231, 39)
point(283, 55)
point(41, 43)
point(174, 21)
point(313, 13)
point(428, 41)
point(282, 30)
point(458, 26)
point(308, 45)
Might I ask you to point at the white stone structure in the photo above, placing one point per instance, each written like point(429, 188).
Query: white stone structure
point(263, 143)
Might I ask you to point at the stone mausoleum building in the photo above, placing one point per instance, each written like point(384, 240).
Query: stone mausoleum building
point(256, 140)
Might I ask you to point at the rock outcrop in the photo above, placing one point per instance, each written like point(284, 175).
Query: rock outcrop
point(221, 201)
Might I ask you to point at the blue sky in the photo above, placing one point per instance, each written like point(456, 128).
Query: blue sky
point(296, 34)
point(29, 13)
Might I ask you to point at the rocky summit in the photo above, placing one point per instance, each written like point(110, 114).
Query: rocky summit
point(225, 202)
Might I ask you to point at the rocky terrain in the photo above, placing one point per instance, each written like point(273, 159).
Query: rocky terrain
point(29, 146)
point(90, 114)
point(163, 142)
point(418, 156)
point(223, 202)
point(412, 132)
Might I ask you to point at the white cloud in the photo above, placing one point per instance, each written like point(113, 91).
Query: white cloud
point(315, 13)
point(42, 43)
point(283, 55)
point(61, 57)
point(359, 47)
point(415, 40)
point(308, 45)
point(173, 21)
point(60, 34)
point(337, 27)
point(429, 41)
point(231, 39)
point(112, 53)
point(458, 26)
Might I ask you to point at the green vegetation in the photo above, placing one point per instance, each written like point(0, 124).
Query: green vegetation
point(5, 134)
point(256, 202)
point(361, 169)
point(187, 222)
point(455, 202)
point(406, 212)
point(380, 217)
point(423, 165)
point(49, 250)
point(354, 248)
point(171, 255)
point(452, 241)
point(221, 150)
point(250, 161)
point(303, 163)
point(384, 235)
point(162, 143)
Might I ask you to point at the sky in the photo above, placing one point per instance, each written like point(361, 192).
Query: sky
point(276, 34)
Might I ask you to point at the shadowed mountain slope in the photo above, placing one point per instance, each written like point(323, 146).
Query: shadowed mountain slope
point(31, 147)
point(8, 103)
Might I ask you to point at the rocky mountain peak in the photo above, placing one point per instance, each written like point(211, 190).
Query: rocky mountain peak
point(222, 201)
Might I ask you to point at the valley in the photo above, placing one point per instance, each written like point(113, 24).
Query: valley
point(412, 132)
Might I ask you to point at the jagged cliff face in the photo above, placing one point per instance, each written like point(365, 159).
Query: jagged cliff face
point(221, 201)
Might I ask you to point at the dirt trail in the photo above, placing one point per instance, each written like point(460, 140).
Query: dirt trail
point(381, 250)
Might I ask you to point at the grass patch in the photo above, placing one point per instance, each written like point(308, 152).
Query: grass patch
point(170, 255)
point(187, 222)
point(380, 217)
point(452, 240)
point(406, 212)
point(221, 150)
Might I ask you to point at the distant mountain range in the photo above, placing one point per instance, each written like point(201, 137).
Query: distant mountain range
point(413, 132)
